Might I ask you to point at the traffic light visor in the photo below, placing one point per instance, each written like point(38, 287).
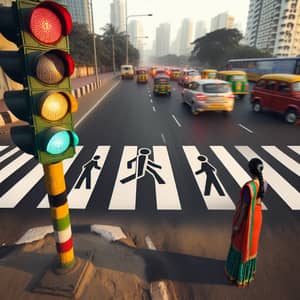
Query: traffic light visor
point(49, 21)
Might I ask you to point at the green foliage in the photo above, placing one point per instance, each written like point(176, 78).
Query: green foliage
point(217, 47)
point(81, 43)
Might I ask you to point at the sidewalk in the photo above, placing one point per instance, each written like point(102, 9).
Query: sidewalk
point(81, 86)
point(116, 269)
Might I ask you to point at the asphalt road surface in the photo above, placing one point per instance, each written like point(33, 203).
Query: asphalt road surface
point(136, 167)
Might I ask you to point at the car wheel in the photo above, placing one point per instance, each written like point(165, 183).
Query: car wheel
point(290, 116)
point(257, 106)
point(194, 111)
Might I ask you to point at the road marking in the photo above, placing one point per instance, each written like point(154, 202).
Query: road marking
point(214, 200)
point(2, 147)
point(14, 165)
point(67, 164)
point(95, 105)
point(9, 153)
point(179, 125)
point(124, 195)
point(237, 172)
point(79, 198)
point(166, 194)
point(295, 148)
point(163, 138)
point(245, 128)
point(283, 159)
point(286, 191)
point(151, 100)
point(153, 108)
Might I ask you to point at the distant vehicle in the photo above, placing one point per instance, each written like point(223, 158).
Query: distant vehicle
point(256, 67)
point(174, 73)
point(188, 75)
point(208, 94)
point(238, 81)
point(162, 85)
point(127, 71)
point(161, 72)
point(208, 73)
point(141, 76)
point(153, 71)
point(279, 93)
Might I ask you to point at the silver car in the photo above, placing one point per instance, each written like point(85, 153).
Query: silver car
point(187, 76)
point(208, 94)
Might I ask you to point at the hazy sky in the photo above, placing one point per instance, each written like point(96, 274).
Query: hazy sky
point(173, 11)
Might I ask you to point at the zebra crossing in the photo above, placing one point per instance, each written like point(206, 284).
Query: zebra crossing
point(134, 163)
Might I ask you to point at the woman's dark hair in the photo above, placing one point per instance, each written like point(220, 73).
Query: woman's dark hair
point(256, 166)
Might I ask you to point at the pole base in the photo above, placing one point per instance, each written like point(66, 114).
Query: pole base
point(66, 282)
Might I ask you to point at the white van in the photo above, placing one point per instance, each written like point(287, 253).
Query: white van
point(127, 71)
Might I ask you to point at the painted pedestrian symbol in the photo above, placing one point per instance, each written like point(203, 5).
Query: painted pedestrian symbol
point(86, 174)
point(211, 179)
point(143, 165)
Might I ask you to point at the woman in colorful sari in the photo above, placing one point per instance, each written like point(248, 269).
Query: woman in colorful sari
point(241, 261)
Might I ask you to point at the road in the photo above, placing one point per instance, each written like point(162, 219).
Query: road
point(168, 201)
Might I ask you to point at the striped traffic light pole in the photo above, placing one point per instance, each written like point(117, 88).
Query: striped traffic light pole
point(56, 189)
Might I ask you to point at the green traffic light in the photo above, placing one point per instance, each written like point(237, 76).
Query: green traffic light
point(59, 143)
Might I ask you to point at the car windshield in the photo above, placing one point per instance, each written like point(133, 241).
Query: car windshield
point(126, 68)
point(238, 77)
point(216, 88)
point(296, 86)
point(193, 73)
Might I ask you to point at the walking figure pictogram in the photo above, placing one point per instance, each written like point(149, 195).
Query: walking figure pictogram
point(211, 179)
point(86, 174)
point(143, 165)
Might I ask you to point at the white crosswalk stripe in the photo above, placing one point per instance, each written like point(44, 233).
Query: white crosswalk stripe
point(67, 164)
point(213, 200)
point(295, 148)
point(166, 194)
point(124, 194)
point(8, 154)
point(14, 165)
point(79, 198)
point(232, 166)
point(284, 159)
point(286, 191)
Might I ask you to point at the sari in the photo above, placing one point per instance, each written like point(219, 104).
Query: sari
point(240, 265)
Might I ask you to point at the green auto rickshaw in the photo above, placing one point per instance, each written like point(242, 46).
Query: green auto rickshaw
point(238, 81)
point(162, 85)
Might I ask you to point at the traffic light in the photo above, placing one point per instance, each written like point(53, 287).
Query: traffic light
point(44, 66)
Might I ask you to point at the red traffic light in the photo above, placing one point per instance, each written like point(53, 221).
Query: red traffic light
point(49, 21)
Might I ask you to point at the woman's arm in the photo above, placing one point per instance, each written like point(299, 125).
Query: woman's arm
point(244, 209)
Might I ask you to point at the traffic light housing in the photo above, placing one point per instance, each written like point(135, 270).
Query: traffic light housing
point(43, 65)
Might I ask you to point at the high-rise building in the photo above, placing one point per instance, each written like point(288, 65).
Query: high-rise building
point(163, 39)
point(136, 33)
point(185, 37)
point(80, 11)
point(200, 29)
point(118, 15)
point(274, 25)
point(221, 21)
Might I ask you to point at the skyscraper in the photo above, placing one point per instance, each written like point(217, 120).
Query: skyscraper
point(200, 29)
point(136, 32)
point(163, 39)
point(220, 21)
point(185, 36)
point(274, 25)
point(80, 11)
point(118, 15)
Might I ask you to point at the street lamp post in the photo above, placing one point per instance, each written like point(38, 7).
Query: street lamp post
point(113, 53)
point(126, 25)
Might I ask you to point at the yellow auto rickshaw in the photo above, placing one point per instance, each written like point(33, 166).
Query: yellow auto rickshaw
point(208, 74)
point(162, 85)
point(141, 76)
point(238, 81)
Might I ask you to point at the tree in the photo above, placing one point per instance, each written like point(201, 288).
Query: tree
point(217, 47)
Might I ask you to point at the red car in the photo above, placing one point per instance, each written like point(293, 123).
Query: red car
point(279, 93)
